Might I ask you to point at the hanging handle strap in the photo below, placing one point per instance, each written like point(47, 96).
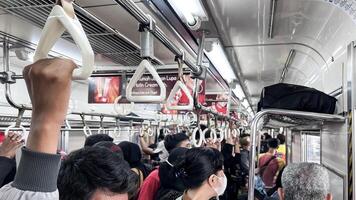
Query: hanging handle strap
point(180, 86)
point(17, 127)
point(62, 18)
point(145, 64)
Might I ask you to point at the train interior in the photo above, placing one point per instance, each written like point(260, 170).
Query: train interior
point(224, 51)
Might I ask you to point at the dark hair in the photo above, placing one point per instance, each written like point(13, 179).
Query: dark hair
point(267, 136)
point(88, 169)
point(93, 139)
point(172, 141)
point(273, 143)
point(167, 173)
point(199, 164)
point(132, 154)
point(281, 138)
point(111, 146)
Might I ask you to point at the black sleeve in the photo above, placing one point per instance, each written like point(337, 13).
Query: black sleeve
point(7, 170)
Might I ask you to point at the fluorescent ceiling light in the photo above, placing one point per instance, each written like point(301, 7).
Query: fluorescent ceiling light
point(221, 63)
point(188, 10)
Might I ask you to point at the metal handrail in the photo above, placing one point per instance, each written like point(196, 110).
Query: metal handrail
point(256, 134)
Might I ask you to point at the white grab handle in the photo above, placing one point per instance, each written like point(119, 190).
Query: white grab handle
point(145, 64)
point(196, 143)
point(212, 135)
point(116, 129)
point(58, 21)
point(101, 130)
point(87, 131)
point(180, 85)
point(149, 132)
point(13, 128)
point(120, 109)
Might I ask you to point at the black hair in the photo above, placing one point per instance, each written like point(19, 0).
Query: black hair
point(167, 173)
point(93, 139)
point(88, 169)
point(199, 164)
point(267, 136)
point(111, 146)
point(281, 138)
point(172, 141)
point(273, 143)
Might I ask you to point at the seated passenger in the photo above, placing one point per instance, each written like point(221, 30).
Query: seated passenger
point(93, 139)
point(171, 187)
point(201, 172)
point(269, 164)
point(96, 174)
point(132, 154)
point(7, 157)
point(305, 181)
point(48, 83)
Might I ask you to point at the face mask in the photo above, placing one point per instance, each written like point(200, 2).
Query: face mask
point(223, 183)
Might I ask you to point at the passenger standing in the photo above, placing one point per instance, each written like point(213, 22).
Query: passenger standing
point(245, 155)
point(305, 181)
point(269, 164)
point(202, 174)
point(132, 154)
point(7, 157)
point(264, 145)
point(281, 151)
point(171, 187)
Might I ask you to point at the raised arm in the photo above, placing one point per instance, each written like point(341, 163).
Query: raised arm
point(48, 83)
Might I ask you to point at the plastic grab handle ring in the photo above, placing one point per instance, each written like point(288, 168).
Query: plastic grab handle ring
point(212, 135)
point(149, 132)
point(101, 130)
point(57, 22)
point(13, 128)
point(196, 143)
point(120, 109)
point(87, 131)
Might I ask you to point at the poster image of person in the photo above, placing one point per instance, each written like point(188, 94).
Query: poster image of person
point(103, 89)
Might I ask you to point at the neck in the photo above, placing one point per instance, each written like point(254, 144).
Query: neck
point(272, 151)
point(198, 194)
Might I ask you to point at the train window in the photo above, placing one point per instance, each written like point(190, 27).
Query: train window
point(312, 148)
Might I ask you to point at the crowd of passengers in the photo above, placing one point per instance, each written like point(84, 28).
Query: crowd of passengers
point(102, 170)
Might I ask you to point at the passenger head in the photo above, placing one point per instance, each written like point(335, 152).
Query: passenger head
point(273, 143)
point(305, 181)
point(202, 169)
point(245, 143)
point(267, 136)
point(96, 174)
point(93, 139)
point(176, 140)
point(281, 138)
point(167, 173)
point(132, 153)
point(111, 146)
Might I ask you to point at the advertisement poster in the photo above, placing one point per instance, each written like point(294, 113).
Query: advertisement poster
point(217, 102)
point(104, 90)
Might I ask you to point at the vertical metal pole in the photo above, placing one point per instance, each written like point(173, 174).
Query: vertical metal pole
point(350, 105)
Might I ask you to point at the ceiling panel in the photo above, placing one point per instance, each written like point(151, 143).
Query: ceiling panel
point(316, 29)
point(86, 3)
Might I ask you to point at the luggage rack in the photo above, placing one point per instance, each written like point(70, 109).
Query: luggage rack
point(291, 118)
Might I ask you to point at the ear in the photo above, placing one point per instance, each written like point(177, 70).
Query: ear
point(281, 193)
point(329, 197)
point(212, 180)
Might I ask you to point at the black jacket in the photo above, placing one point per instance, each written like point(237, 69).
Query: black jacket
point(7, 170)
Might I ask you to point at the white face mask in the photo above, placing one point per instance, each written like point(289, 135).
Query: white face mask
point(223, 184)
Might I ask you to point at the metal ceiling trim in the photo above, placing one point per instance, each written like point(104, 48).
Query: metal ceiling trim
point(142, 18)
point(288, 63)
point(103, 38)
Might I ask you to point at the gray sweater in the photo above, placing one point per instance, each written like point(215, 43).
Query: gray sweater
point(36, 178)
